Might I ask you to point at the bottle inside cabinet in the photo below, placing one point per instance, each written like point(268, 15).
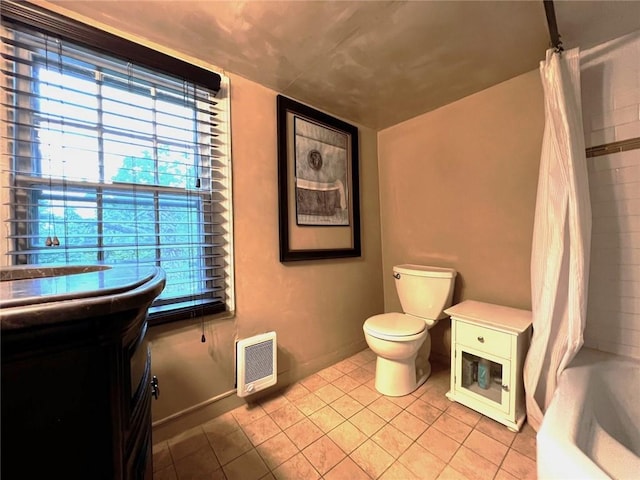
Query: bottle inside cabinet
point(482, 376)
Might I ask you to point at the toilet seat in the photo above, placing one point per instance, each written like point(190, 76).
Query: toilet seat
point(394, 325)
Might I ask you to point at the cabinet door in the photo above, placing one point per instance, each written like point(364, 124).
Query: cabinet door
point(483, 378)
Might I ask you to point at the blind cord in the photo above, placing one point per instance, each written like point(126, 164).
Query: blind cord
point(50, 242)
point(56, 242)
point(196, 179)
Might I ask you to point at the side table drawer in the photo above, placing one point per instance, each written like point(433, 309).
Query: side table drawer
point(484, 339)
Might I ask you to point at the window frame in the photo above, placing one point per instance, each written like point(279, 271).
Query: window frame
point(53, 24)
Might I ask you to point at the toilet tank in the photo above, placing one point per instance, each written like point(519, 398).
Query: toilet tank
point(424, 291)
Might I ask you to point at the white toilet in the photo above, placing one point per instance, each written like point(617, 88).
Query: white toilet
point(396, 338)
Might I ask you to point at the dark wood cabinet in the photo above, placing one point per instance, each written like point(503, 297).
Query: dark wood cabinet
point(76, 395)
point(78, 407)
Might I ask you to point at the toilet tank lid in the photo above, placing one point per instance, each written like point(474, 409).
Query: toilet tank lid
point(424, 270)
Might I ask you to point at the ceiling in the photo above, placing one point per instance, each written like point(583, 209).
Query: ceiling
point(375, 63)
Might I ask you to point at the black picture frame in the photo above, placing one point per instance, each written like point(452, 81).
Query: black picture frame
point(319, 216)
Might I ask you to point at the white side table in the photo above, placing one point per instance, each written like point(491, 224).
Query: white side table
point(489, 344)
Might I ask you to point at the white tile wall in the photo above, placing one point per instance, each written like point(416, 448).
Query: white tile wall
point(610, 80)
point(611, 112)
point(613, 314)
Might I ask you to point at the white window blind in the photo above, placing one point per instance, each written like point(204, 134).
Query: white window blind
point(108, 161)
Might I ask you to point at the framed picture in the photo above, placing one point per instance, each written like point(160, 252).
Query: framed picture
point(318, 184)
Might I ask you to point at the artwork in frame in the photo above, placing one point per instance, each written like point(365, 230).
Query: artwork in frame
point(318, 184)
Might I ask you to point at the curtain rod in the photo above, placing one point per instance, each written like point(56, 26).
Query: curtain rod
point(553, 26)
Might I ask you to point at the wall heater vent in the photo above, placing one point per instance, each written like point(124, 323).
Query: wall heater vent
point(256, 363)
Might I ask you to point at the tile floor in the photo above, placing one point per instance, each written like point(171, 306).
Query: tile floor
point(334, 425)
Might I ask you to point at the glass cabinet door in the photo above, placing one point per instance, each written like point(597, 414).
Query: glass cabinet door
point(483, 377)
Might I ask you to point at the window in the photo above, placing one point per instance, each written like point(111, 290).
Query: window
point(109, 161)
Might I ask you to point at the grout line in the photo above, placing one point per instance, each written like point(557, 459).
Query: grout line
point(416, 396)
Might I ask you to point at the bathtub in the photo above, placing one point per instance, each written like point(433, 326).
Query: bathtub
point(591, 429)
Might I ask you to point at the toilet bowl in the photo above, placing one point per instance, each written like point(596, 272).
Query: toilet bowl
point(401, 341)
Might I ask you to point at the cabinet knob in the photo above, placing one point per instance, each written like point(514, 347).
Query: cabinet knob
point(481, 339)
point(155, 389)
point(505, 388)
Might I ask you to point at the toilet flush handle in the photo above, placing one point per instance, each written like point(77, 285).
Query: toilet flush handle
point(396, 276)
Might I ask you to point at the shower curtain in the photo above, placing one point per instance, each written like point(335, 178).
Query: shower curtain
point(561, 235)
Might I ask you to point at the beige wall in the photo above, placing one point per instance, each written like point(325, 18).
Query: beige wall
point(458, 188)
point(316, 308)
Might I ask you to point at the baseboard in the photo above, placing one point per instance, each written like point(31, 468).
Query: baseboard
point(168, 427)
